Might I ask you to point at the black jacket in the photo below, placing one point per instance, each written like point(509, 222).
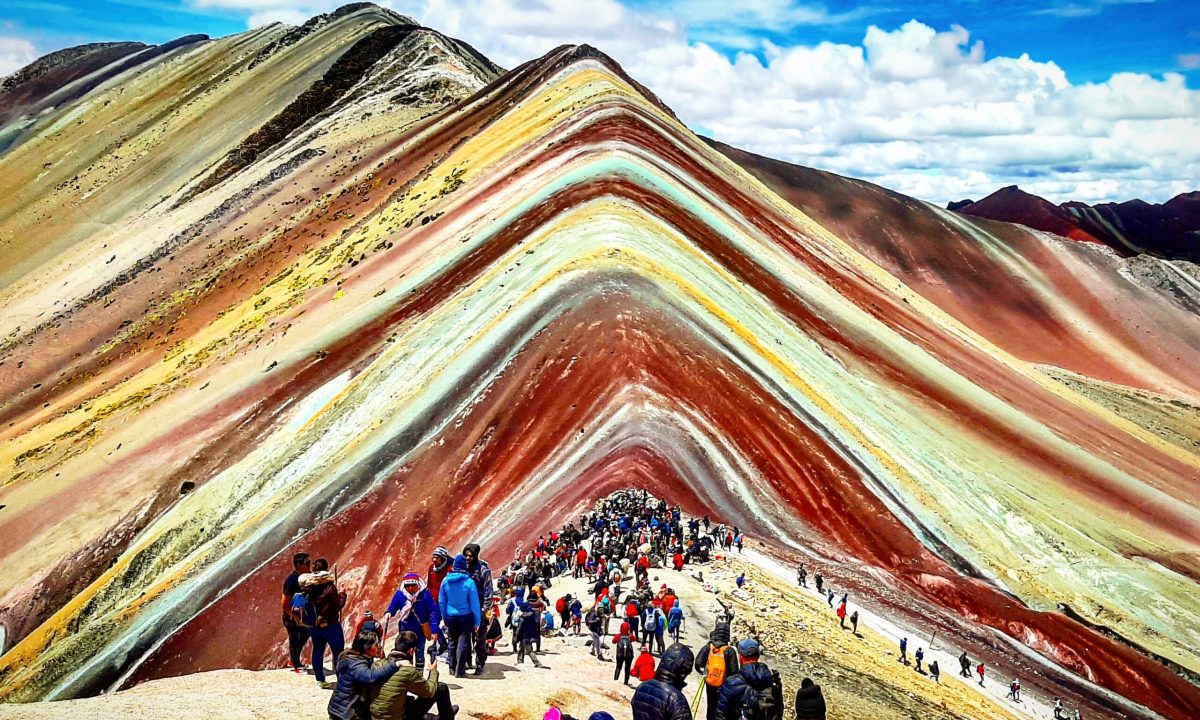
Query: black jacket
point(810, 703)
point(662, 698)
point(719, 636)
point(356, 680)
point(752, 675)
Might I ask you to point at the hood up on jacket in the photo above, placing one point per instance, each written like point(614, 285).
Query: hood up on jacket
point(756, 675)
point(460, 564)
point(675, 665)
point(720, 634)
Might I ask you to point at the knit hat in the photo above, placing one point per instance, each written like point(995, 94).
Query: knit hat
point(441, 551)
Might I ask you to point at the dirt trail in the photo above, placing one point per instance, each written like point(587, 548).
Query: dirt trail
point(860, 675)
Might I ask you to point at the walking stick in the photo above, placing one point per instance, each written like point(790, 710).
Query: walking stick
point(696, 700)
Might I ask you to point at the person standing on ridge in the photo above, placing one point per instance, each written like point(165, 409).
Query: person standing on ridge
point(979, 670)
point(458, 603)
point(935, 672)
point(415, 610)
point(802, 576)
point(717, 660)
point(841, 613)
point(964, 665)
point(320, 587)
point(920, 656)
point(755, 691)
point(829, 597)
point(297, 634)
point(904, 650)
point(662, 698)
point(481, 573)
point(854, 622)
point(819, 581)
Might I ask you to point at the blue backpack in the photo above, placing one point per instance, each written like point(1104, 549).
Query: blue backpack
point(303, 611)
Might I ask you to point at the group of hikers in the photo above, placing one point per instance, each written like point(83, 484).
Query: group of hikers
point(457, 611)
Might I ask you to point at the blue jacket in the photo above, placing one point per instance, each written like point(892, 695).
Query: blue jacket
point(425, 610)
point(752, 675)
point(459, 595)
point(528, 622)
point(514, 604)
point(351, 697)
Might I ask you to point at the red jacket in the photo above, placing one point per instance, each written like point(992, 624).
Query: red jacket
point(580, 556)
point(434, 579)
point(643, 667)
point(668, 602)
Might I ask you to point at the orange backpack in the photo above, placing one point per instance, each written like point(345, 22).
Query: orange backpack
point(716, 666)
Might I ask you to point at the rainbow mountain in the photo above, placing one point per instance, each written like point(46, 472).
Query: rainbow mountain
point(351, 287)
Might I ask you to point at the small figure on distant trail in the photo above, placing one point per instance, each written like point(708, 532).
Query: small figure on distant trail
point(662, 698)
point(935, 672)
point(819, 581)
point(1014, 690)
point(841, 613)
point(979, 669)
point(810, 703)
point(802, 576)
point(741, 538)
point(829, 597)
point(920, 656)
point(854, 621)
point(964, 664)
point(904, 650)
point(741, 580)
point(1058, 709)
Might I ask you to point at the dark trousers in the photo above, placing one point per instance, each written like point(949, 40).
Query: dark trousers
point(297, 639)
point(481, 649)
point(712, 693)
point(622, 662)
point(662, 647)
point(331, 637)
point(419, 657)
point(417, 707)
point(633, 624)
point(460, 627)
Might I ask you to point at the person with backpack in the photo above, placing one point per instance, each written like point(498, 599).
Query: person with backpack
point(643, 667)
point(576, 615)
point(623, 652)
point(920, 656)
point(674, 621)
point(935, 672)
point(358, 679)
point(321, 593)
point(810, 702)
point(408, 693)
point(904, 650)
point(754, 692)
point(662, 698)
point(717, 660)
point(594, 626)
point(819, 581)
point(458, 603)
point(297, 632)
point(964, 665)
point(416, 611)
point(529, 630)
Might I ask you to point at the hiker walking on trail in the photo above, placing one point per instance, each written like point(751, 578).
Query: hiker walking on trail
point(1058, 709)
point(964, 665)
point(1014, 690)
point(935, 672)
point(408, 693)
point(675, 621)
point(576, 615)
point(481, 573)
point(357, 680)
point(810, 702)
point(415, 610)
point(717, 660)
point(529, 629)
point(802, 576)
point(841, 613)
point(594, 626)
point(662, 698)
point(979, 670)
point(904, 650)
point(819, 581)
point(320, 590)
point(754, 692)
point(297, 633)
point(920, 656)
point(623, 652)
point(854, 622)
point(458, 603)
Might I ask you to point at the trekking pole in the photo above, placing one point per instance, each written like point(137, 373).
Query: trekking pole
point(696, 700)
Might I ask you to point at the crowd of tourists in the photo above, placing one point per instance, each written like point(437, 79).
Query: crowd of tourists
point(457, 612)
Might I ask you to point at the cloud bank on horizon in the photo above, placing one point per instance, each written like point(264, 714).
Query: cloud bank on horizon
point(918, 107)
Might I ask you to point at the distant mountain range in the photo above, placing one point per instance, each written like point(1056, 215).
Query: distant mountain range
point(1170, 230)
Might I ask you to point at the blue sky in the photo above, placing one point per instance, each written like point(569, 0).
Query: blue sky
point(1092, 100)
point(1089, 39)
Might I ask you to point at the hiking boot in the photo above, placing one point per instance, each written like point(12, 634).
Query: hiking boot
point(479, 670)
point(326, 685)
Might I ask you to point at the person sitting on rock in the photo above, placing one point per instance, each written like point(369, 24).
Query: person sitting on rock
point(408, 694)
point(662, 698)
point(357, 679)
point(753, 691)
point(810, 703)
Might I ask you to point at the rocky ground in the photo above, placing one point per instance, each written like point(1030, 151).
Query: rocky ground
point(859, 673)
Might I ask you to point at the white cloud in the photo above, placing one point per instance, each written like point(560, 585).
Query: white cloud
point(922, 111)
point(15, 53)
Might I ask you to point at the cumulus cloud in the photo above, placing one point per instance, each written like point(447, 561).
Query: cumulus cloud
point(15, 53)
point(918, 109)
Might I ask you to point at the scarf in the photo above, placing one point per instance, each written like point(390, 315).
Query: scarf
point(407, 610)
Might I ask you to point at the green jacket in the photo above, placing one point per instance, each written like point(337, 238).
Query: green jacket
point(393, 696)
